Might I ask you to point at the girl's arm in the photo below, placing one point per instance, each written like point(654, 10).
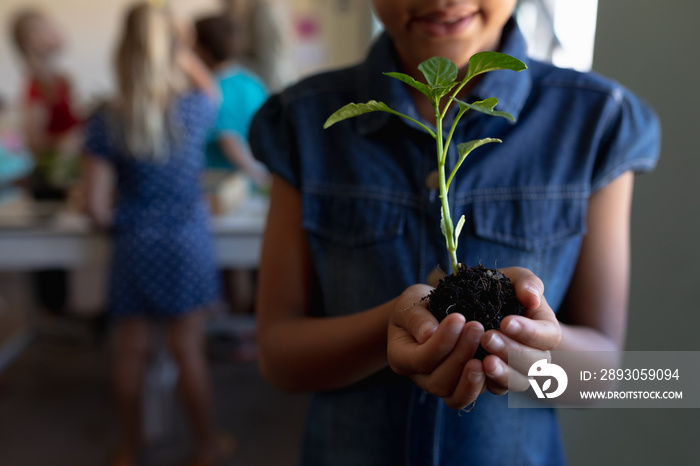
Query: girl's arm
point(299, 352)
point(196, 72)
point(596, 304)
point(34, 118)
point(98, 184)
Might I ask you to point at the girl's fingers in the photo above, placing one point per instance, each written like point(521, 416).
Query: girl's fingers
point(412, 316)
point(511, 352)
point(502, 377)
point(444, 379)
point(538, 328)
point(471, 384)
point(407, 356)
point(529, 288)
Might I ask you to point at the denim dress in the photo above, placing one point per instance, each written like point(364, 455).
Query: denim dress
point(162, 265)
point(371, 216)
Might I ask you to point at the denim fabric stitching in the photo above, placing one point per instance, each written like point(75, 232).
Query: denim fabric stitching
point(576, 83)
point(357, 239)
point(527, 243)
point(367, 193)
point(524, 193)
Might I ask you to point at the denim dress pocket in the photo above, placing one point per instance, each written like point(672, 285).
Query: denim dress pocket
point(357, 243)
point(536, 228)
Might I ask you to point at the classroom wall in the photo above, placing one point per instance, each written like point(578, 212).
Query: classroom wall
point(652, 48)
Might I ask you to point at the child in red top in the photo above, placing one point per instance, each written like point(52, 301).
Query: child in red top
point(50, 121)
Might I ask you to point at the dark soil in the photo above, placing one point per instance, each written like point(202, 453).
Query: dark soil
point(478, 293)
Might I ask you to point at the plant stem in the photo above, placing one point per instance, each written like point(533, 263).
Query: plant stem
point(448, 228)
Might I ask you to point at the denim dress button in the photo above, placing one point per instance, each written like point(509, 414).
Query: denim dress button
point(432, 181)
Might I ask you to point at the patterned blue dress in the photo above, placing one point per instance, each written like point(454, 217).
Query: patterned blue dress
point(162, 250)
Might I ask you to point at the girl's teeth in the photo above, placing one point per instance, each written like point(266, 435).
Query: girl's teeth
point(446, 21)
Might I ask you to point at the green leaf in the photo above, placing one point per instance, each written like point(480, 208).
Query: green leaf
point(484, 106)
point(440, 74)
point(490, 61)
point(438, 71)
point(466, 147)
point(352, 110)
point(411, 82)
point(458, 229)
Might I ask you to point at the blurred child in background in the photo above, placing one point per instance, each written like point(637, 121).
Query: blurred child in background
point(151, 136)
point(50, 120)
point(242, 93)
point(51, 129)
point(220, 40)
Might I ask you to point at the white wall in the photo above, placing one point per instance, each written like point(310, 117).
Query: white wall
point(652, 48)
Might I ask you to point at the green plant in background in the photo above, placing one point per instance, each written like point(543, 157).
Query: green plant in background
point(441, 84)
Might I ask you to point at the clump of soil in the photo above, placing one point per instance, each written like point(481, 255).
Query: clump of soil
point(478, 293)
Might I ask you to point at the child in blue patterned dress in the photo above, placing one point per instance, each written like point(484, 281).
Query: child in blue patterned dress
point(151, 136)
point(353, 231)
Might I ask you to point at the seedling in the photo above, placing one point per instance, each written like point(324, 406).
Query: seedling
point(478, 293)
point(442, 87)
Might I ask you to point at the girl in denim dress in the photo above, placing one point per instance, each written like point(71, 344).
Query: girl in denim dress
point(354, 231)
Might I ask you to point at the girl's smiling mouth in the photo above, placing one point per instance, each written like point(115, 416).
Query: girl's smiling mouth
point(443, 24)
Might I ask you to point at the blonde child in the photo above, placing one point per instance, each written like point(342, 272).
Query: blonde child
point(353, 231)
point(150, 139)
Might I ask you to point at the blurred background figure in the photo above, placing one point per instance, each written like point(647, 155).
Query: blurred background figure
point(50, 121)
point(150, 138)
point(220, 40)
point(51, 129)
point(242, 93)
point(265, 37)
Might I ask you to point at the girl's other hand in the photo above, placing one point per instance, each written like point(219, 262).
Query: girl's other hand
point(531, 335)
point(437, 357)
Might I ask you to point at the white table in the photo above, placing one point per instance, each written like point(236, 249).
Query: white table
point(65, 240)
